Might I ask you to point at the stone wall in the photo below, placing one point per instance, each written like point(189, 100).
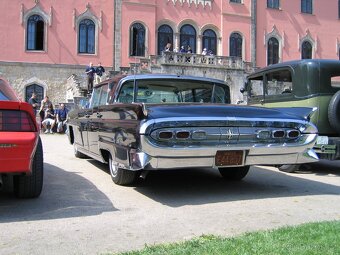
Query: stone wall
point(64, 82)
point(53, 78)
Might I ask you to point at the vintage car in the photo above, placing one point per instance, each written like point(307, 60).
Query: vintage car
point(308, 83)
point(139, 123)
point(21, 152)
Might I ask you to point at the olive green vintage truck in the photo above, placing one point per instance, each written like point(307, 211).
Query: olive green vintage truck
point(302, 83)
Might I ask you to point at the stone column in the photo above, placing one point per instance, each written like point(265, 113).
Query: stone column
point(117, 34)
point(253, 32)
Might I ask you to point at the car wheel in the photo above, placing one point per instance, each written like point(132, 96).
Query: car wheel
point(234, 173)
point(121, 176)
point(77, 153)
point(334, 112)
point(30, 186)
point(289, 168)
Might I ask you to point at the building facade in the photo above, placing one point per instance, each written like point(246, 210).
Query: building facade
point(47, 44)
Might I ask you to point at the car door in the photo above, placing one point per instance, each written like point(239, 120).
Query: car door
point(96, 120)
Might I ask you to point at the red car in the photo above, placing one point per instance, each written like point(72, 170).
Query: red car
point(21, 153)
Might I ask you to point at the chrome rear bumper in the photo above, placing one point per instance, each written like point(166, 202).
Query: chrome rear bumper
point(150, 157)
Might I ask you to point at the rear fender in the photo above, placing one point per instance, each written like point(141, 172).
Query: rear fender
point(304, 112)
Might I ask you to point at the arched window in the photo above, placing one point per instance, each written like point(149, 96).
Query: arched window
point(188, 37)
point(37, 89)
point(306, 50)
point(235, 45)
point(87, 30)
point(273, 51)
point(165, 35)
point(35, 33)
point(137, 40)
point(209, 41)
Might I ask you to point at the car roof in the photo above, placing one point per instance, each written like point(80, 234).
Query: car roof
point(327, 63)
point(117, 78)
point(6, 91)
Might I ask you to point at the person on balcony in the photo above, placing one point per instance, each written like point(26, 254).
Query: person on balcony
point(167, 47)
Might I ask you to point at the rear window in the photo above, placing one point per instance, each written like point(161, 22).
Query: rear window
point(3, 97)
point(174, 91)
point(6, 92)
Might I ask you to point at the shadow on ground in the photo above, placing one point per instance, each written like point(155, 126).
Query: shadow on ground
point(64, 195)
point(202, 186)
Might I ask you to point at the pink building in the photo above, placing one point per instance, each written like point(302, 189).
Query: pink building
point(47, 44)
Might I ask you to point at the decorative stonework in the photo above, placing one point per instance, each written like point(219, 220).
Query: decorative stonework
point(74, 87)
point(274, 33)
point(87, 14)
point(308, 37)
point(24, 15)
point(204, 3)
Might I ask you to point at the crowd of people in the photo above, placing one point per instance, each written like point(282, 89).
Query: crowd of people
point(186, 49)
point(55, 119)
point(49, 116)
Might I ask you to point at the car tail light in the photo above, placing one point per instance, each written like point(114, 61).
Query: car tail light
point(278, 133)
point(182, 134)
point(165, 135)
point(18, 121)
point(293, 134)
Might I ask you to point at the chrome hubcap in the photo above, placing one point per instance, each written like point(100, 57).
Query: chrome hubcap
point(113, 168)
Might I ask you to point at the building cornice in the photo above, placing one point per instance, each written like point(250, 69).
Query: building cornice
point(143, 4)
point(236, 15)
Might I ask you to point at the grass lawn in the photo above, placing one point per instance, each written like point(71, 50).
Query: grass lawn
point(314, 238)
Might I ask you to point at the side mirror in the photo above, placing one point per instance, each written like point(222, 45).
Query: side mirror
point(242, 90)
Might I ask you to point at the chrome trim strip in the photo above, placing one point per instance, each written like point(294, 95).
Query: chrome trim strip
point(146, 124)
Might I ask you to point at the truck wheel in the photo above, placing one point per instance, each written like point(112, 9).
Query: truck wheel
point(30, 186)
point(289, 168)
point(334, 112)
point(234, 173)
point(121, 176)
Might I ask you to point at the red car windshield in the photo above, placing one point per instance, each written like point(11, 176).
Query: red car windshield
point(6, 92)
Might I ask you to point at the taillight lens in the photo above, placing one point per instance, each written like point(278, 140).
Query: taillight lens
point(18, 121)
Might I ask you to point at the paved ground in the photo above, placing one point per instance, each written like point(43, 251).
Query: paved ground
point(81, 211)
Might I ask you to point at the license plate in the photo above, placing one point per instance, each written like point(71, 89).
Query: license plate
point(322, 140)
point(229, 158)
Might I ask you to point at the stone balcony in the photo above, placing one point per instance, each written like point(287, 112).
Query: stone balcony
point(188, 60)
point(230, 69)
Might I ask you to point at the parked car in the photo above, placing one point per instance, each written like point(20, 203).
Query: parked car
point(308, 83)
point(139, 123)
point(21, 152)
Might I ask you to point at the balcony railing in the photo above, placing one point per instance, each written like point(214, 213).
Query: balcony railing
point(197, 60)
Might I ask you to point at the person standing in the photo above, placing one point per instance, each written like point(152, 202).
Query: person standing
point(33, 101)
point(90, 71)
point(99, 72)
